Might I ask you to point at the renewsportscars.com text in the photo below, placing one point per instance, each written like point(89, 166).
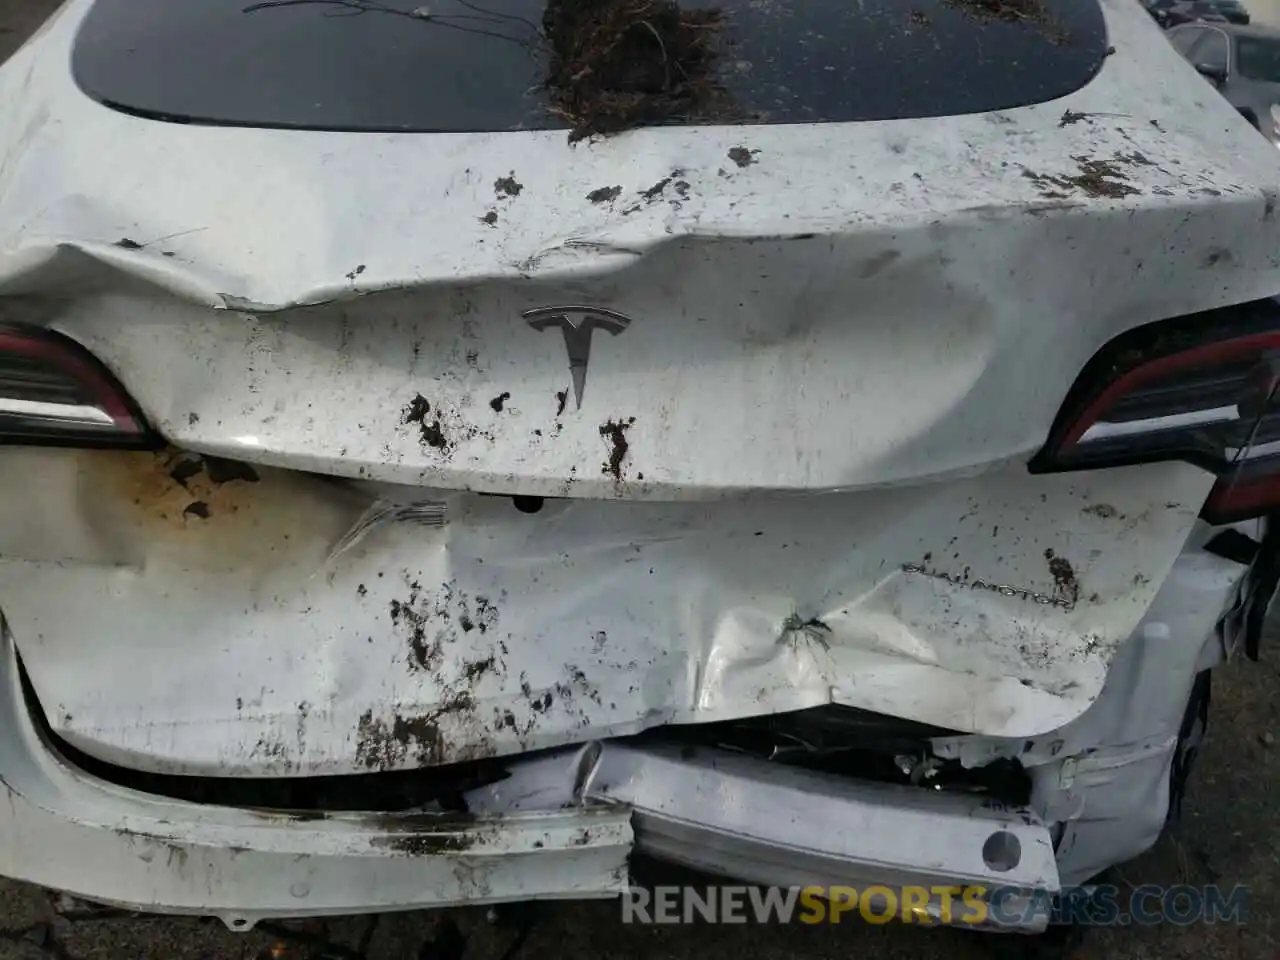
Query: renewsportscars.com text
point(1099, 905)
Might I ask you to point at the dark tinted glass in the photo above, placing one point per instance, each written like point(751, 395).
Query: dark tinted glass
point(1258, 58)
point(477, 65)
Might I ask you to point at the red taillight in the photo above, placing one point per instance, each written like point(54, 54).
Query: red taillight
point(1204, 389)
point(53, 392)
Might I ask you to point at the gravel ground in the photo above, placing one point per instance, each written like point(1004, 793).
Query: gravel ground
point(1229, 836)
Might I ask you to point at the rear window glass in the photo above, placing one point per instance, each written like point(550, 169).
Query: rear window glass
point(494, 65)
point(1258, 58)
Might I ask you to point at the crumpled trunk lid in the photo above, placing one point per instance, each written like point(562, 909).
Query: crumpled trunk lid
point(243, 644)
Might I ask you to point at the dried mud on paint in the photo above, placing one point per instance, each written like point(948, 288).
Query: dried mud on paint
point(619, 64)
point(1064, 577)
point(429, 625)
point(507, 186)
point(1033, 13)
point(615, 432)
point(1097, 178)
point(604, 194)
point(426, 622)
point(383, 746)
point(449, 633)
point(439, 428)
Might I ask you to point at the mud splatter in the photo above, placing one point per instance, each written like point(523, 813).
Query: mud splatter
point(427, 844)
point(615, 432)
point(654, 192)
point(1103, 510)
point(497, 402)
point(478, 668)
point(742, 156)
point(562, 397)
point(439, 428)
point(1097, 178)
point(508, 186)
point(426, 621)
point(491, 218)
point(417, 409)
point(386, 746)
point(1064, 577)
point(604, 194)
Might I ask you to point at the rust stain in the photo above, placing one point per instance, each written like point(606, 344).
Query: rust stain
point(222, 514)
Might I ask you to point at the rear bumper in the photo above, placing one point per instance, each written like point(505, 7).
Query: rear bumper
point(562, 826)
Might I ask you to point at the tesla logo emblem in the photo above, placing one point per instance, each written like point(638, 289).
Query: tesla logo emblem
point(576, 325)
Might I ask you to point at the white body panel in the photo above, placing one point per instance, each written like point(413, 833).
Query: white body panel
point(864, 304)
point(240, 644)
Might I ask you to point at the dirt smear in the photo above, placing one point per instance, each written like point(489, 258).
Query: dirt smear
point(1064, 577)
point(619, 64)
point(615, 432)
point(440, 427)
point(1103, 511)
point(507, 186)
point(1097, 178)
point(654, 192)
point(604, 194)
point(418, 410)
point(386, 746)
point(1034, 13)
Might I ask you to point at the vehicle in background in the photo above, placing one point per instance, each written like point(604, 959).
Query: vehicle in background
point(1169, 13)
point(1243, 63)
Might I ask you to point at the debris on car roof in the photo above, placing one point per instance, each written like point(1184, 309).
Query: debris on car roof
point(1033, 12)
point(619, 64)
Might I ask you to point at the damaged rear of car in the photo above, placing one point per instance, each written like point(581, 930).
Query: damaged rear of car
point(763, 456)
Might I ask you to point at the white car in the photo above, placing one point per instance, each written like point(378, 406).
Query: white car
point(850, 476)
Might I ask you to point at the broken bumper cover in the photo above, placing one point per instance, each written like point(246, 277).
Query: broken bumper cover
point(561, 826)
